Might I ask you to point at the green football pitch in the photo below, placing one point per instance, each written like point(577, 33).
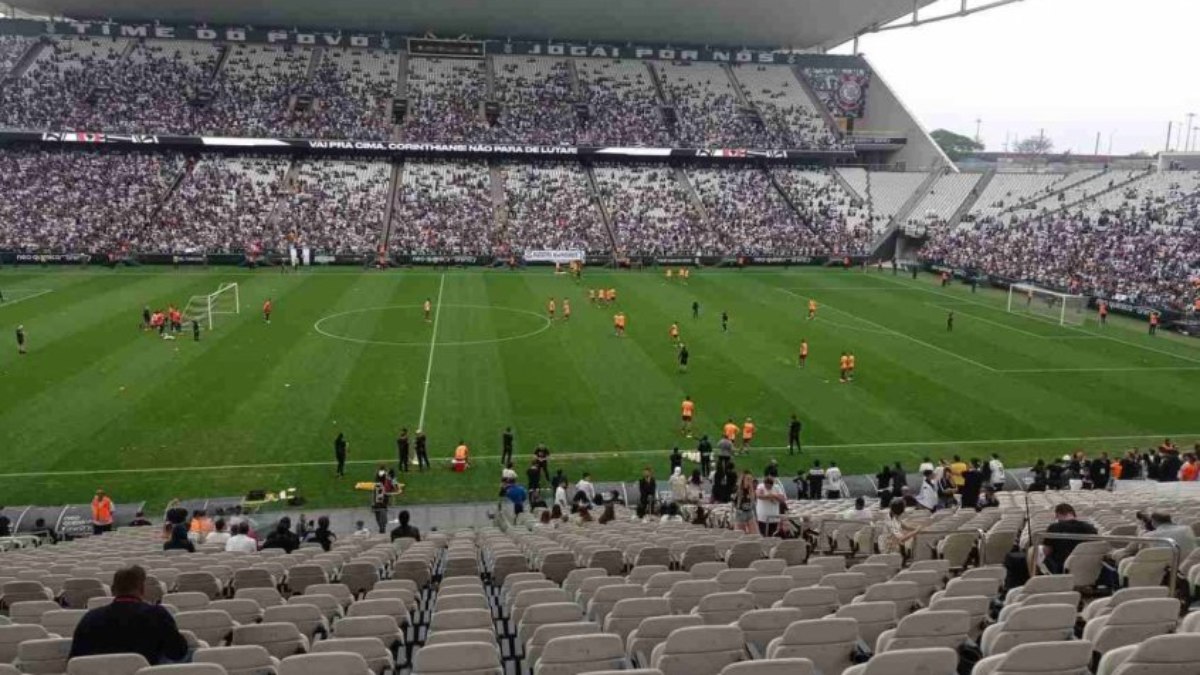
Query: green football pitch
point(97, 402)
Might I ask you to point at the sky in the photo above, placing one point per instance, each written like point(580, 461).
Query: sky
point(1123, 68)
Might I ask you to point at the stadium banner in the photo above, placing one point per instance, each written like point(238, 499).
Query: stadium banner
point(398, 149)
point(443, 260)
point(17, 258)
point(421, 45)
point(554, 256)
point(785, 260)
point(842, 89)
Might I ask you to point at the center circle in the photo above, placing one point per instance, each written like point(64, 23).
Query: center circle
point(457, 325)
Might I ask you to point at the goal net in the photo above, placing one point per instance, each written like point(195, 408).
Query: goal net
point(1061, 308)
point(205, 308)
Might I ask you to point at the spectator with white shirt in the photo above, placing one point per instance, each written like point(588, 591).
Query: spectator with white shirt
point(997, 472)
point(769, 500)
point(240, 542)
point(586, 487)
point(219, 535)
point(834, 486)
point(560, 497)
point(928, 496)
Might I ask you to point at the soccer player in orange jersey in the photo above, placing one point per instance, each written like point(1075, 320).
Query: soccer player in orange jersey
point(550, 308)
point(730, 430)
point(619, 324)
point(428, 307)
point(812, 309)
point(747, 434)
point(670, 273)
point(844, 366)
point(267, 311)
point(566, 309)
point(686, 414)
point(1154, 323)
point(612, 295)
point(1103, 311)
point(850, 366)
point(803, 352)
point(674, 333)
point(592, 295)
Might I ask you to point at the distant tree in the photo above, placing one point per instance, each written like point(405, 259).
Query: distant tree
point(956, 146)
point(1034, 145)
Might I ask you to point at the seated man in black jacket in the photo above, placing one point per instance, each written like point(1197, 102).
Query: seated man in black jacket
point(129, 624)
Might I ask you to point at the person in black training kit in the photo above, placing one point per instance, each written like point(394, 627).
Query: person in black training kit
point(129, 624)
point(541, 455)
point(145, 317)
point(950, 322)
point(533, 476)
point(195, 331)
point(794, 435)
point(695, 309)
point(725, 322)
point(704, 447)
point(506, 446)
point(402, 448)
point(422, 451)
point(683, 357)
point(339, 453)
point(404, 529)
point(676, 460)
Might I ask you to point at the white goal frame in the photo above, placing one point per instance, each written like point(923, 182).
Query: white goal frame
point(205, 307)
point(1072, 309)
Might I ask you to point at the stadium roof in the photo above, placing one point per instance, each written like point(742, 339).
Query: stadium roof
point(798, 24)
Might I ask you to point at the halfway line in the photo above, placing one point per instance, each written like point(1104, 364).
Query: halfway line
point(437, 315)
point(23, 298)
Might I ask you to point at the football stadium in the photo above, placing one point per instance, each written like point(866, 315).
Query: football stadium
point(561, 338)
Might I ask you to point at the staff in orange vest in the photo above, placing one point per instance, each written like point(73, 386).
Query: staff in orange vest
point(102, 513)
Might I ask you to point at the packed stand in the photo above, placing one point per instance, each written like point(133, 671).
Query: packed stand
point(1130, 258)
point(445, 101)
point(352, 91)
point(444, 207)
point(536, 101)
point(785, 107)
point(52, 92)
point(842, 224)
point(651, 212)
point(254, 91)
point(66, 201)
point(12, 48)
point(335, 206)
point(550, 206)
point(708, 112)
point(223, 205)
point(623, 106)
point(753, 218)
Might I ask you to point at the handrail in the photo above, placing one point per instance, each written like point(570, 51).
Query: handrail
point(1038, 537)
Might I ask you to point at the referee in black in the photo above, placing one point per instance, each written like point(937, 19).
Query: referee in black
point(402, 448)
point(506, 447)
point(794, 435)
point(339, 453)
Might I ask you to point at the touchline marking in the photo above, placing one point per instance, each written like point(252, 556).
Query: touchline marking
point(35, 294)
point(1118, 369)
point(897, 333)
point(610, 453)
point(437, 314)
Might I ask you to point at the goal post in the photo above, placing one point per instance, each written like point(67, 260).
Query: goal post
point(1064, 309)
point(205, 308)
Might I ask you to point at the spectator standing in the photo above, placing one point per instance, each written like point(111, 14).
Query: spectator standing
point(647, 490)
point(516, 494)
point(816, 477)
point(5, 525)
point(380, 499)
point(957, 469)
point(996, 472)
point(1099, 470)
point(282, 537)
point(972, 484)
point(676, 459)
point(21, 340)
point(102, 513)
point(404, 530)
point(560, 496)
point(899, 480)
point(744, 504)
point(541, 455)
point(724, 452)
point(834, 487)
point(883, 486)
point(130, 625)
point(339, 453)
point(770, 501)
point(928, 496)
point(533, 476)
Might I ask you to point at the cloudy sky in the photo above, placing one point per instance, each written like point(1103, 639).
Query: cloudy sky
point(1123, 68)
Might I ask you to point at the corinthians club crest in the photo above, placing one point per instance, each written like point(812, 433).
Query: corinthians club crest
point(850, 93)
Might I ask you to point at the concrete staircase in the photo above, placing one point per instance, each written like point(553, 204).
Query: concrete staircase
point(788, 198)
point(972, 197)
point(26, 60)
point(915, 198)
point(603, 210)
point(686, 184)
point(499, 210)
point(1114, 188)
point(393, 195)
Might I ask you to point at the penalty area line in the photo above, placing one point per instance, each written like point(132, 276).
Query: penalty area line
point(609, 453)
point(35, 294)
